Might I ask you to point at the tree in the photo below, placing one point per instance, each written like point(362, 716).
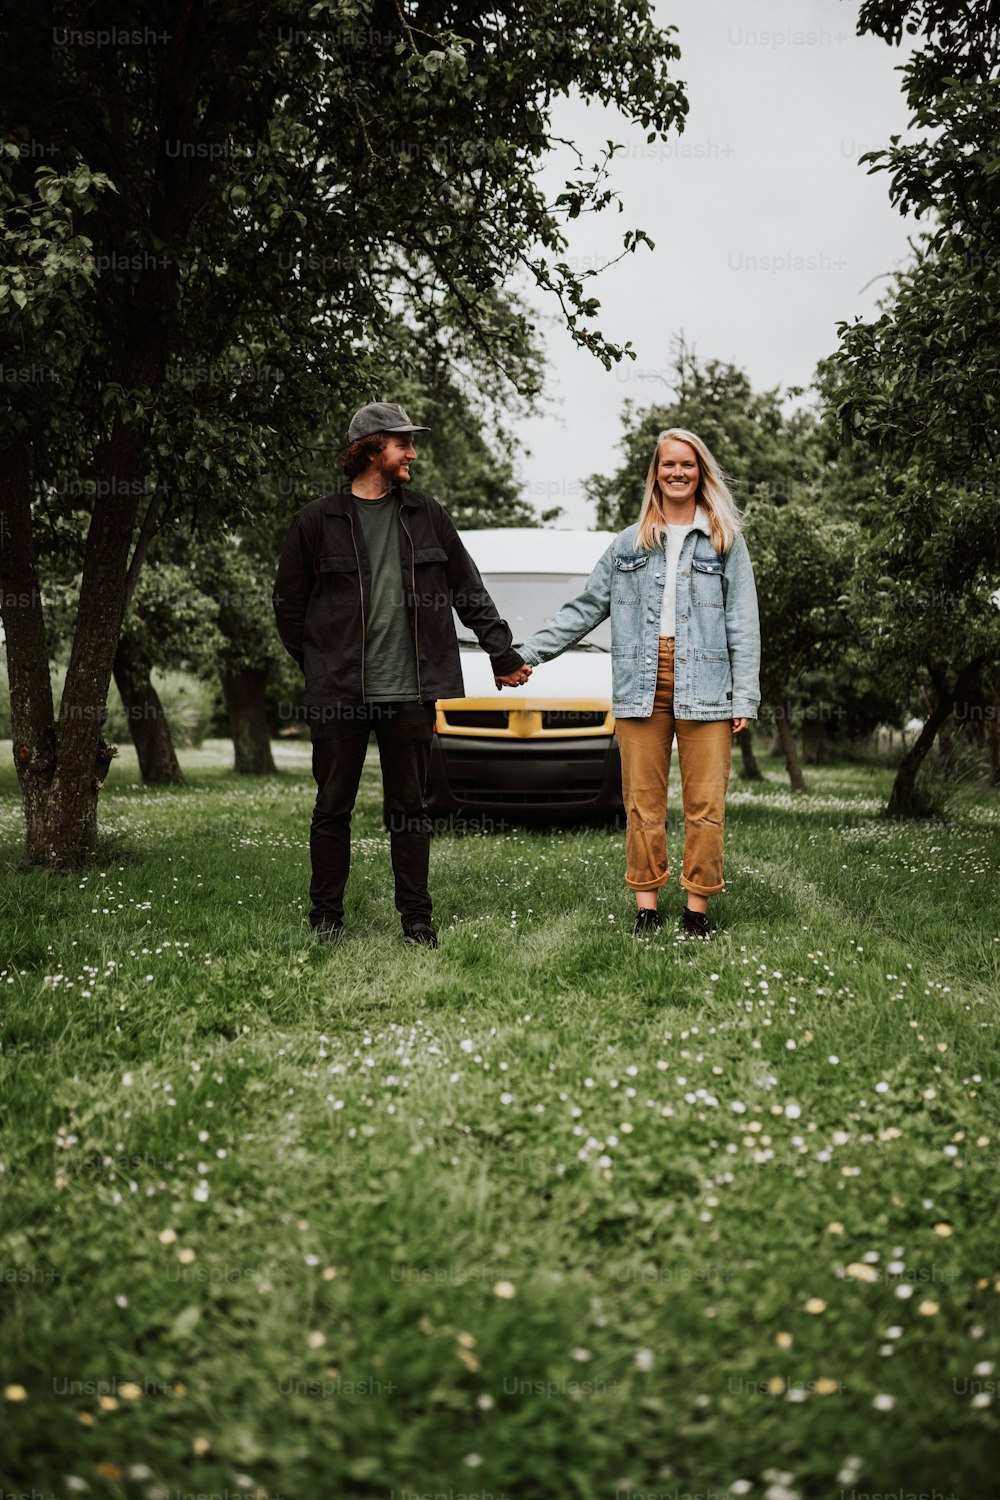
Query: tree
point(236, 577)
point(51, 272)
point(800, 557)
point(917, 387)
point(261, 198)
point(168, 624)
point(924, 594)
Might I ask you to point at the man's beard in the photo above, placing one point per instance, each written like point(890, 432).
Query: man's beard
point(391, 473)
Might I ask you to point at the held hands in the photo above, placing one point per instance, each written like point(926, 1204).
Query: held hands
point(513, 679)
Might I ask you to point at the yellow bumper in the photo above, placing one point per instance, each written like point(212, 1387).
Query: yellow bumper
point(530, 718)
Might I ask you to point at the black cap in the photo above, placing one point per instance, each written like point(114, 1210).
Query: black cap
point(380, 416)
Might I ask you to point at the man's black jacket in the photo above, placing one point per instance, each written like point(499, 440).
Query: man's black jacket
point(322, 595)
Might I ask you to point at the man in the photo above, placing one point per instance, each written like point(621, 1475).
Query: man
point(363, 600)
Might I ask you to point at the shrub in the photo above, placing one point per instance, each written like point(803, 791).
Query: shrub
point(188, 703)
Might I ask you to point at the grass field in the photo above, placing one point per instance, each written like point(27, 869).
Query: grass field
point(547, 1212)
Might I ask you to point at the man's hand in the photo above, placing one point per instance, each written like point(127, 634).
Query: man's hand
point(513, 679)
point(740, 724)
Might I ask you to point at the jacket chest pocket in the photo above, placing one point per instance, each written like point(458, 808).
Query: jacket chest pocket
point(431, 580)
point(628, 579)
point(332, 567)
point(706, 583)
point(337, 593)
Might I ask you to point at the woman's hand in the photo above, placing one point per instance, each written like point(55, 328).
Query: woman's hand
point(514, 679)
point(740, 724)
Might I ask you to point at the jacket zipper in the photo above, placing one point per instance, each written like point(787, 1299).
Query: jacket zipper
point(361, 592)
point(413, 585)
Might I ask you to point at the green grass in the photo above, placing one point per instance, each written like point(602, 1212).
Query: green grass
point(538, 1214)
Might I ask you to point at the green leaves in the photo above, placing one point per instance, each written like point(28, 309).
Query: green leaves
point(915, 389)
point(184, 1324)
point(952, 90)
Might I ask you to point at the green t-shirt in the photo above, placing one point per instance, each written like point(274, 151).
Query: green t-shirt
point(390, 660)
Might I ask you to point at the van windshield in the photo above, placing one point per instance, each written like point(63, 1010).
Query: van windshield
point(527, 600)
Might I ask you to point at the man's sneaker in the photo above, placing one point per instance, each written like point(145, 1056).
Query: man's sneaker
point(694, 923)
point(647, 920)
point(421, 933)
point(329, 932)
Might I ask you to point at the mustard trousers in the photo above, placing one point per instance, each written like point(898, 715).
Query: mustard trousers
point(704, 749)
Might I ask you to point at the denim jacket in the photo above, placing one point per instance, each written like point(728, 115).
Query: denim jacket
point(717, 639)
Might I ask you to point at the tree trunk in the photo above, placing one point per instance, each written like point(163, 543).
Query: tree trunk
point(994, 721)
point(901, 802)
point(147, 723)
point(814, 741)
point(901, 798)
point(244, 695)
point(31, 709)
point(751, 770)
point(83, 756)
point(62, 766)
point(787, 744)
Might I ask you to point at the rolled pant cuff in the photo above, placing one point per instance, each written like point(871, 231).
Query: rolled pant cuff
point(647, 885)
point(700, 890)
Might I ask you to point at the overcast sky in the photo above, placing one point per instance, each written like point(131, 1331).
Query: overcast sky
point(767, 232)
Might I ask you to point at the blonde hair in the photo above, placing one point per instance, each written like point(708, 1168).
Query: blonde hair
point(713, 496)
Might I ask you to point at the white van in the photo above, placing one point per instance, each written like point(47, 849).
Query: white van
point(548, 747)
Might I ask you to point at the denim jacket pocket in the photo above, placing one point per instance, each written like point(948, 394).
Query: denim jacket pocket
point(707, 583)
point(628, 579)
point(625, 671)
point(713, 678)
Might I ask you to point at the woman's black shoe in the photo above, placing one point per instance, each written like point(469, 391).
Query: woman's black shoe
point(647, 920)
point(694, 923)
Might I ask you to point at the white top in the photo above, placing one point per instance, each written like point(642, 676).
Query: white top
point(673, 541)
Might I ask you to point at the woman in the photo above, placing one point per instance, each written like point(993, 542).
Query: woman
point(685, 643)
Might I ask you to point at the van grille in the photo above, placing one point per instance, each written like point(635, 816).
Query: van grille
point(572, 718)
point(477, 718)
point(580, 780)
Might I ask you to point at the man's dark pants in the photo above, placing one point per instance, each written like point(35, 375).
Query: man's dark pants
point(403, 732)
